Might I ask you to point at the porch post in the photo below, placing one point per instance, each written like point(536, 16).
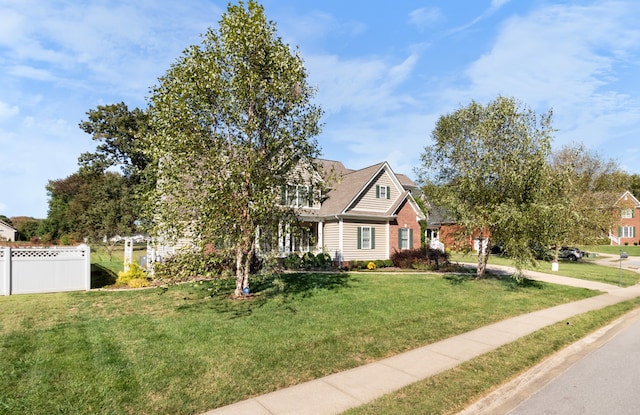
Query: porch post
point(340, 239)
point(320, 237)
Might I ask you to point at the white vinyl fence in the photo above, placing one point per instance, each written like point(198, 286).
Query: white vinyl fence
point(44, 270)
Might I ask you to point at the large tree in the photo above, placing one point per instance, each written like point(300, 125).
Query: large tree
point(27, 227)
point(487, 167)
point(92, 205)
point(233, 122)
point(633, 184)
point(119, 132)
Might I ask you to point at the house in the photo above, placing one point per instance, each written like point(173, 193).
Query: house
point(441, 228)
point(7, 232)
point(365, 214)
point(626, 233)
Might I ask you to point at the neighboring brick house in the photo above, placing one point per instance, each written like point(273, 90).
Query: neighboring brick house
point(7, 232)
point(627, 230)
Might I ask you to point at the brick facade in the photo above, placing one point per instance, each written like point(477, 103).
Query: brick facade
point(628, 229)
point(407, 218)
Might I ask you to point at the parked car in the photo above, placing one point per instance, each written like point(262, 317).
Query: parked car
point(570, 252)
point(497, 249)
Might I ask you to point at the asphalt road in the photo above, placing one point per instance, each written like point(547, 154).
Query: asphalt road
point(606, 381)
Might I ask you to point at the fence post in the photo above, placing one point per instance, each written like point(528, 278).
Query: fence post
point(5, 272)
point(128, 253)
point(87, 265)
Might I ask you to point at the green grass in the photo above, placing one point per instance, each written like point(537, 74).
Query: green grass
point(190, 348)
point(583, 269)
point(104, 271)
point(633, 250)
point(451, 391)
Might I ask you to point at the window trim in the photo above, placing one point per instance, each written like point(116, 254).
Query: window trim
point(297, 196)
point(627, 232)
point(626, 213)
point(372, 237)
point(405, 235)
point(383, 192)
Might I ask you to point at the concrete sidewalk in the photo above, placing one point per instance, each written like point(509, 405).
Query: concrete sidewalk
point(338, 392)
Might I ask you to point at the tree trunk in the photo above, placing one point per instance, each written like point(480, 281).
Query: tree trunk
point(483, 258)
point(241, 277)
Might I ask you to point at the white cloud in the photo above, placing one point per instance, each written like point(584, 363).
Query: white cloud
point(29, 72)
point(10, 23)
point(8, 111)
point(366, 85)
point(424, 17)
point(565, 58)
point(123, 45)
point(497, 4)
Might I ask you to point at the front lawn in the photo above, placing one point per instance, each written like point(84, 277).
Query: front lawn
point(633, 250)
point(583, 269)
point(190, 348)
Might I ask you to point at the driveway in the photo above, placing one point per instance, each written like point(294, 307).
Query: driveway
point(631, 263)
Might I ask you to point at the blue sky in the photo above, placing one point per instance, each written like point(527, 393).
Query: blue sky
point(385, 71)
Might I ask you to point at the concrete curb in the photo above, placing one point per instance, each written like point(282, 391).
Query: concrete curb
point(518, 390)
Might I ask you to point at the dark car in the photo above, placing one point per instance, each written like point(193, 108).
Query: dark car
point(497, 249)
point(570, 252)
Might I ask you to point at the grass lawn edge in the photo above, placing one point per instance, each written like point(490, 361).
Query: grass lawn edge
point(477, 386)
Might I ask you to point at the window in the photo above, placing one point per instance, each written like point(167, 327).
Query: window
point(627, 232)
point(627, 213)
point(405, 238)
point(366, 237)
point(296, 196)
point(383, 192)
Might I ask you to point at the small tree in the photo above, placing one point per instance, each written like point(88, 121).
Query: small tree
point(487, 167)
point(583, 188)
point(233, 124)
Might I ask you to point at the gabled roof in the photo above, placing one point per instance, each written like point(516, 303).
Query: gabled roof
point(345, 189)
point(332, 169)
point(349, 186)
point(407, 183)
point(626, 196)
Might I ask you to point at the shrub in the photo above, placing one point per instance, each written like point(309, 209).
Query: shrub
point(134, 277)
point(371, 266)
point(323, 260)
point(308, 260)
point(189, 264)
point(292, 261)
point(138, 283)
point(383, 263)
point(421, 258)
point(356, 265)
